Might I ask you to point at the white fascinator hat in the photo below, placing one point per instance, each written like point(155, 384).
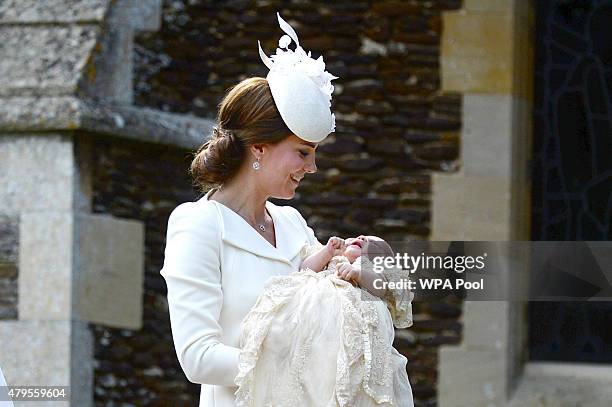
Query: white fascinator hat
point(301, 87)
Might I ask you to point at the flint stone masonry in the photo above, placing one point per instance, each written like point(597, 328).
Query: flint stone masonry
point(9, 239)
point(141, 181)
point(9, 252)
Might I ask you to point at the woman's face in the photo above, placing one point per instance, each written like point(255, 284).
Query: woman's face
point(284, 164)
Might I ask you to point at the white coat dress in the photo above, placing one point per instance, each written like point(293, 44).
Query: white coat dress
point(215, 267)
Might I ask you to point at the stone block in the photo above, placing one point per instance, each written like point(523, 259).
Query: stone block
point(46, 265)
point(35, 352)
point(109, 280)
point(486, 137)
point(109, 72)
point(470, 208)
point(485, 325)
point(563, 385)
point(147, 15)
point(49, 353)
point(31, 114)
point(147, 125)
point(44, 60)
point(52, 11)
point(489, 6)
point(518, 8)
point(471, 378)
point(36, 173)
point(478, 60)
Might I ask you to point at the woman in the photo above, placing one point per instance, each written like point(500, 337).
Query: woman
point(221, 249)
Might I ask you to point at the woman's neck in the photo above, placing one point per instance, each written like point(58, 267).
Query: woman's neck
point(244, 198)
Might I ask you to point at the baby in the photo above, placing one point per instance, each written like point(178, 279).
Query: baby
point(323, 336)
point(350, 269)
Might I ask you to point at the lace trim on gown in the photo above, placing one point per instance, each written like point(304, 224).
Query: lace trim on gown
point(399, 300)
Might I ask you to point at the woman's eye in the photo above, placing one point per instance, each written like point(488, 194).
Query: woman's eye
point(304, 153)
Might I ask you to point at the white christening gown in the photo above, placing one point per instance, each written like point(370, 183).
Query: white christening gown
point(315, 340)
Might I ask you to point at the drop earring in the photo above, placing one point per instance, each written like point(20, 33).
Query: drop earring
point(256, 165)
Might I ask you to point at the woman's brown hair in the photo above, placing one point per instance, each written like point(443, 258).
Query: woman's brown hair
point(247, 115)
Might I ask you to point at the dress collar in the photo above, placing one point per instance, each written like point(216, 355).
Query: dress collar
point(238, 232)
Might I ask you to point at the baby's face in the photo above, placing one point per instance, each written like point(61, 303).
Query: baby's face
point(354, 246)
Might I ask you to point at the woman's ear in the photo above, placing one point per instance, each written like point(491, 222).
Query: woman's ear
point(258, 150)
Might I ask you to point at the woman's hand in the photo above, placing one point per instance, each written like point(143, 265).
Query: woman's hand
point(348, 272)
point(335, 246)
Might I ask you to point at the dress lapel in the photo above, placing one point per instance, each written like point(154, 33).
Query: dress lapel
point(237, 232)
point(290, 235)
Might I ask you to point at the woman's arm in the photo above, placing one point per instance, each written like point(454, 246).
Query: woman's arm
point(192, 271)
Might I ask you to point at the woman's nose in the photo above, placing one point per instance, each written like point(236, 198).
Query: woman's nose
point(311, 167)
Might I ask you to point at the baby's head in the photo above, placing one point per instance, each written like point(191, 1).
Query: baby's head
point(370, 246)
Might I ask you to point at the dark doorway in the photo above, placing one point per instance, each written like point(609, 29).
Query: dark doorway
point(572, 172)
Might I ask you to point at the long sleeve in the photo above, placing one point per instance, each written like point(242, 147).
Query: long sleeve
point(192, 270)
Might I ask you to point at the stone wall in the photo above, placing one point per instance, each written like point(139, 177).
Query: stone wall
point(143, 182)
point(9, 248)
point(394, 128)
point(487, 56)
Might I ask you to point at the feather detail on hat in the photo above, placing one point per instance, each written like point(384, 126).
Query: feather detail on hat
point(267, 61)
point(288, 29)
point(288, 66)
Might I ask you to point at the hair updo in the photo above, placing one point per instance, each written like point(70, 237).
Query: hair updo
point(247, 115)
